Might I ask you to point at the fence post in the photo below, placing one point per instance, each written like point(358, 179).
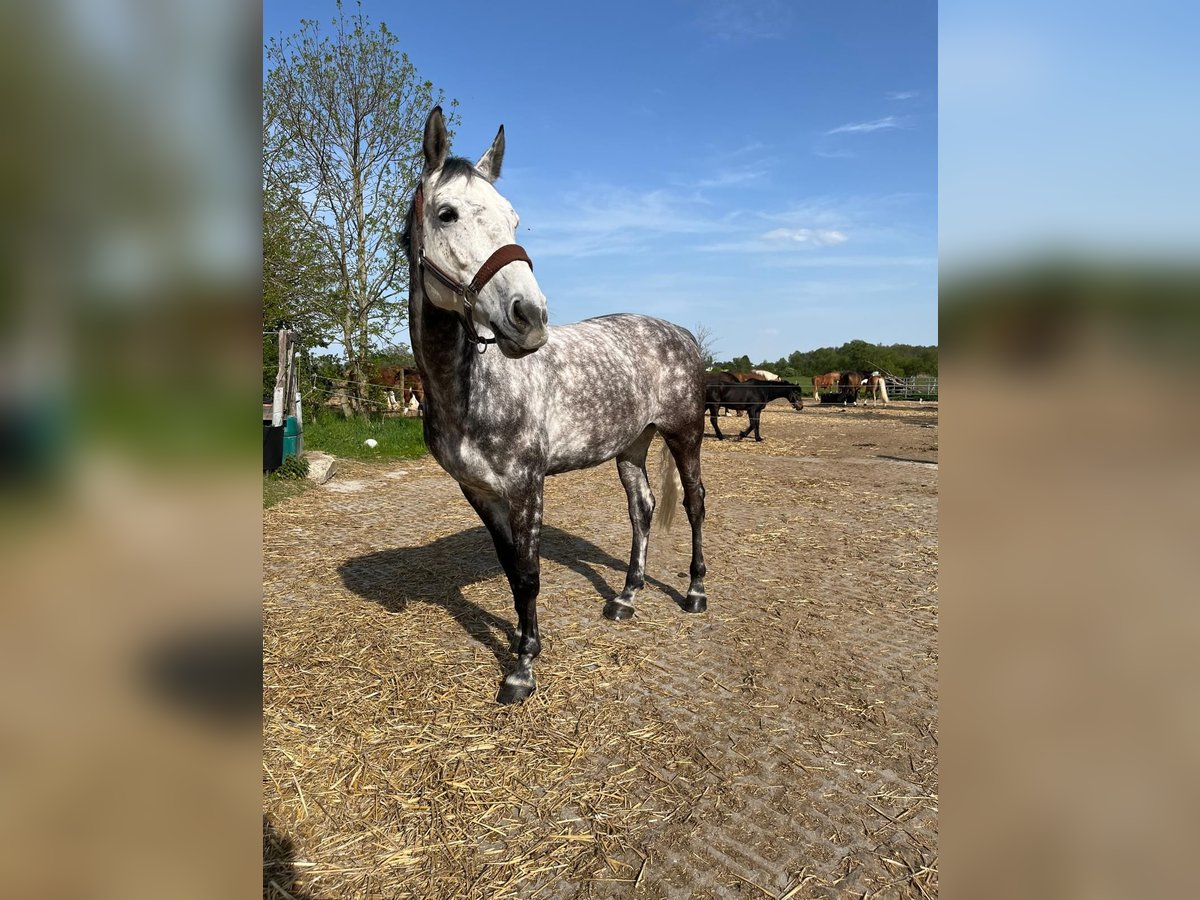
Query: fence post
point(279, 399)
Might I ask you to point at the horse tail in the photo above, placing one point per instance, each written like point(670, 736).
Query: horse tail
point(883, 390)
point(669, 489)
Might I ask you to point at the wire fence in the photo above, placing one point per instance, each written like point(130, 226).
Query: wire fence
point(313, 389)
point(310, 390)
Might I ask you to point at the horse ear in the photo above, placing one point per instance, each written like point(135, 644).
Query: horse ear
point(437, 142)
point(489, 164)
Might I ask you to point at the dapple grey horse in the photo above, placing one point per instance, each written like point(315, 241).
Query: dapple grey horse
point(553, 399)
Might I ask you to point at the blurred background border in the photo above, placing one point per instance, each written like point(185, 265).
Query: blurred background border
point(130, 172)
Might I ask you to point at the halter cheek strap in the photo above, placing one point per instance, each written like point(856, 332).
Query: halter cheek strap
point(469, 293)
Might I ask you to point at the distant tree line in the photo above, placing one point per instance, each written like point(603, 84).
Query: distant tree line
point(901, 360)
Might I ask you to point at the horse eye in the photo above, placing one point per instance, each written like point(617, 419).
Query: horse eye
point(447, 214)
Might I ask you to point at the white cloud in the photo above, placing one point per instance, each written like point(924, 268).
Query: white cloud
point(730, 177)
point(903, 95)
point(856, 262)
point(866, 127)
point(813, 237)
point(745, 20)
point(833, 154)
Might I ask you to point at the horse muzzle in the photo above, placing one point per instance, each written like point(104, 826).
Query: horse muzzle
point(523, 330)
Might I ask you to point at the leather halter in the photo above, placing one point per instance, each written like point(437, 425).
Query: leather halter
point(469, 293)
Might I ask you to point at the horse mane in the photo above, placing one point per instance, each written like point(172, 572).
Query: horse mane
point(453, 167)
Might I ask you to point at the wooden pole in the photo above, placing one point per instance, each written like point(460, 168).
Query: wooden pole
point(279, 401)
point(291, 373)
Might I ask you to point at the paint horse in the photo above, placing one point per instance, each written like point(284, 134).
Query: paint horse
point(876, 388)
point(753, 398)
point(553, 399)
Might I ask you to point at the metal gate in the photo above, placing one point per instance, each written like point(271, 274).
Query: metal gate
point(918, 386)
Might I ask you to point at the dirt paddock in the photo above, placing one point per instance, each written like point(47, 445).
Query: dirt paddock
point(784, 744)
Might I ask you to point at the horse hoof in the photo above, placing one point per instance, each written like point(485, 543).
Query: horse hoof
point(695, 603)
point(515, 691)
point(617, 612)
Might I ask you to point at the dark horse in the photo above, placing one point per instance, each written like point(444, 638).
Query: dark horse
point(849, 386)
point(723, 377)
point(552, 400)
point(750, 396)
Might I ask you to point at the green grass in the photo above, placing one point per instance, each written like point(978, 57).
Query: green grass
point(398, 438)
point(276, 490)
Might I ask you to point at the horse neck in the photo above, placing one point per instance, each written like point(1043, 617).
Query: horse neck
point(783, 389)
point(443, 354)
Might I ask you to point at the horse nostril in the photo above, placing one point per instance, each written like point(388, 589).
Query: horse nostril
point(527, 314)
point(518, 315)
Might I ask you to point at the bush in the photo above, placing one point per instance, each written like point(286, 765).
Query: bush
point(294, 467)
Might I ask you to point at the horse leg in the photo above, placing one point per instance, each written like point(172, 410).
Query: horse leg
point(493, 511)
point(755, 415)
point(516, 528)
point(631, 466)
point(750, 417)
point(712, 415)
point(686, 450)
point(525, 525)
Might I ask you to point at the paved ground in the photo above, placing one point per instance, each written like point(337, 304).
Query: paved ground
point(794, 726)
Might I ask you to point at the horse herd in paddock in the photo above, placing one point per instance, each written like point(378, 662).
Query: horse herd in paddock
point(558, 398)
point(844, 387)
point(749, 394)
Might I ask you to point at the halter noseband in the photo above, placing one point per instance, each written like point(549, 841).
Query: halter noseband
point(469, 293)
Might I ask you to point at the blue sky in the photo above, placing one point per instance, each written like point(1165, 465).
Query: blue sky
point(766, 168)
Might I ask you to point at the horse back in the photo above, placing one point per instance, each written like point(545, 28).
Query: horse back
point(610, 377)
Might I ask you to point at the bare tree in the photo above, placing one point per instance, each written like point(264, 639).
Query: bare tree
point(708, 343)
point(343, 117)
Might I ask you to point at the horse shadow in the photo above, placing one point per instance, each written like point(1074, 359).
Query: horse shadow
point(279, 865)
point(437, 573)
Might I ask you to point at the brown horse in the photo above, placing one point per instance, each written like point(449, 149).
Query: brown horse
point(826, 383)
point(408, 379)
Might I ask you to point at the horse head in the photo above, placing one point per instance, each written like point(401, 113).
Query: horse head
point(795, 397)
point(467, 251)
